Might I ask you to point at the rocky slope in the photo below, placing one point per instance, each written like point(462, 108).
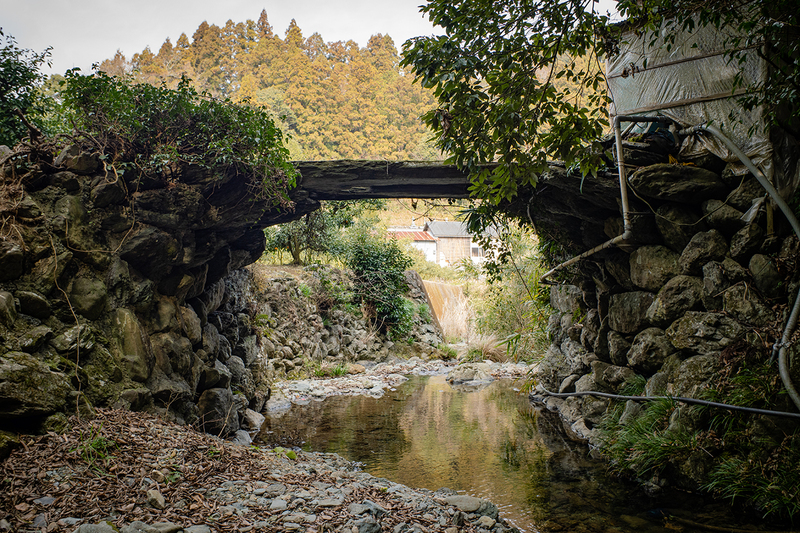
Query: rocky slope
point(127, 290)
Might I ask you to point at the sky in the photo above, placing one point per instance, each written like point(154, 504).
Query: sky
point(82, 32)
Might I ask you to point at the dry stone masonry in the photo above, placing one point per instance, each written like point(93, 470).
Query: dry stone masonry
point(127, 290)
point(707, 267)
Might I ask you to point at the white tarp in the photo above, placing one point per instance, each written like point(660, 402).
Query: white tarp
point(692, 82)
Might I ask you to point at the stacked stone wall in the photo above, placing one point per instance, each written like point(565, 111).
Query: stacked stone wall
point(708, 267)
point(127, 290)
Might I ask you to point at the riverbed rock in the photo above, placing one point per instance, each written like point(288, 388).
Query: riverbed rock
point(469, 372)
point(652, 266)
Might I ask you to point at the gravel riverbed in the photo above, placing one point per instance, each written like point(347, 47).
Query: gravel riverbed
point(133, 472)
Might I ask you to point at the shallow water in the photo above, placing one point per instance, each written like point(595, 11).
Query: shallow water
point(489, 443)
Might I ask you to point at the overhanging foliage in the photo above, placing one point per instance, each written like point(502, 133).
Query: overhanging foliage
point(161, 132)
point(519, 82)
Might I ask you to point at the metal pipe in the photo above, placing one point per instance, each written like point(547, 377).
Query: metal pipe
point(623, 194)
point(782, 345)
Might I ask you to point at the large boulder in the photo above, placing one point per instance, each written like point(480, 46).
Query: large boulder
point(746, 190)
point(680, 294)
point(133, 346)
point(746, 241)
point(618, 266)
point(704, 333)
point(152, 251)
point(652, 266)
point(8, 309)
point(577, 358)
point(765, 275)
point(618, 347)
point(247, 349)
point(173, 353)
point(566, 298)
point(717, 277)
point(28, 388)
point(649, 350)
point(88, 297)
point(722, 217)
point(677, 225)
point(33, 304)
point(677, 183)
point(216, 376)
point(72, 158)
point(610, 377)
point(190, 323)
point(627, 311)
point(744, 304)
point(217, 412)
point(703, 247)
point(12, 259)
point(694, 375)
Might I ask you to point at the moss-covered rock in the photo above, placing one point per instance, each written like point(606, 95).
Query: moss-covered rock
point(8, 442)
point(132, 345)
point(28, 388)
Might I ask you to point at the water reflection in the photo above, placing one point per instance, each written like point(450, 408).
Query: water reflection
point(489, 443)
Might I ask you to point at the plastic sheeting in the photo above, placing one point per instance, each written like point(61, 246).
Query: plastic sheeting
point(692, 82)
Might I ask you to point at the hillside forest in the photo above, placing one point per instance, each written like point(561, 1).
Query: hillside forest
point(335, 100)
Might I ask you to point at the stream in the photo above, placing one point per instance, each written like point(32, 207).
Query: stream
point(491, 443)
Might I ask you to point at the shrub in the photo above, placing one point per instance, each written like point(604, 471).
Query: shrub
point(162, 132)
point(379, 267)
point(20, 80)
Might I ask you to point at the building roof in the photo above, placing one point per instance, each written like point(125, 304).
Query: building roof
point(452, 229)
point(414, 235)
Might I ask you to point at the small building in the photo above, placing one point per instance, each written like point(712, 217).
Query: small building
point(420, 239)
point(454, 243)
